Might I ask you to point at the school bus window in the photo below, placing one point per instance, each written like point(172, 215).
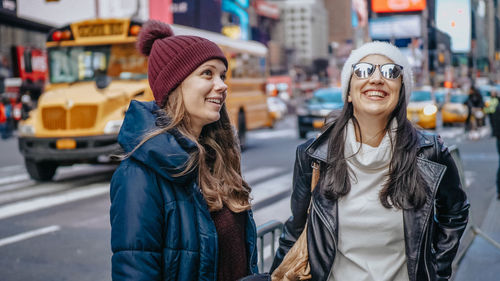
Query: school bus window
point(248, 66)
point(70, 64)
point(119, 61)
point(125, 61)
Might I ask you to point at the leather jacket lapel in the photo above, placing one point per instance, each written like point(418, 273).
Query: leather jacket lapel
point(416, 220)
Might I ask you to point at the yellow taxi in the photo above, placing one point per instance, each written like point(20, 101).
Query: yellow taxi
point(422, 109)
point(454, 110)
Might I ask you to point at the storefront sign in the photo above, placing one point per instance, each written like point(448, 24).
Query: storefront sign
point(266, 9)
point(394, 6)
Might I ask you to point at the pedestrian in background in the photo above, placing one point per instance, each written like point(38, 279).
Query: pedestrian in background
point(495, 121)
point(8, 127)
point(179, 206)
point(388, 204)
point(475, 104)
point(27, 105)
point(491, 108)
point(3, 119)
point(4, 72)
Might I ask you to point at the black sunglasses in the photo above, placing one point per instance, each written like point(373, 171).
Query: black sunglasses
point(364, 70)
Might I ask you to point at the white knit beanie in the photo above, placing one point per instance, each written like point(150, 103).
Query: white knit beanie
point(377, 48)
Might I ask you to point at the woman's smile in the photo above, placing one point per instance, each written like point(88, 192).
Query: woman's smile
point(375, 95)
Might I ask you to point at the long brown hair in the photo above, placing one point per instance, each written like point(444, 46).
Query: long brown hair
point(217, 158)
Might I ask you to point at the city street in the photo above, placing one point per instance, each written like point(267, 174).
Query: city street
point(60, 230)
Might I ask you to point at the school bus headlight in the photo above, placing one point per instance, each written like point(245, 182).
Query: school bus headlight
point(26, 130)
point(430, 109)
point(113, 127)
point(134, 30)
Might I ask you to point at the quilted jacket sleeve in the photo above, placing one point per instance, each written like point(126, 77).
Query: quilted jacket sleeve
point(452, 213)
point(301, 196)
point(136, 224)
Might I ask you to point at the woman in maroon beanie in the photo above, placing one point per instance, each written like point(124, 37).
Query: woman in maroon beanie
point(180, 208)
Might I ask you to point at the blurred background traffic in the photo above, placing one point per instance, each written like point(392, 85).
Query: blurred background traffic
point(69, 69)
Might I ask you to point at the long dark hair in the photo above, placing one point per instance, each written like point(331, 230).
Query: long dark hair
point(405, 187)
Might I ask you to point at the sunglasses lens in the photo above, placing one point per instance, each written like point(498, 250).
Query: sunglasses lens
point(363, 70)
point(391, 71)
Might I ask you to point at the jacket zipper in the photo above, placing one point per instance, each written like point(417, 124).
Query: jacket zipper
point(425, 260)
point(252, 251)
point(328, 226)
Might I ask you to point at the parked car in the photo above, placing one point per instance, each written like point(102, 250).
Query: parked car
point(440, 95)
point(454, 110)
point(422, 109)
point(311, 115)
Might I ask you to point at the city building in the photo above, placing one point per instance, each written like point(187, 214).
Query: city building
point(304, 29)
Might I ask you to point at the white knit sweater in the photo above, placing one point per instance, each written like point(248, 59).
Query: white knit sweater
point(371, 244)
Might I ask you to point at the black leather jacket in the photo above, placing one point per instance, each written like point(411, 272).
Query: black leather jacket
point(432, 233)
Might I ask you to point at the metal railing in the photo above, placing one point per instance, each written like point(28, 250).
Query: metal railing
point(272, 226)
point(471, 227)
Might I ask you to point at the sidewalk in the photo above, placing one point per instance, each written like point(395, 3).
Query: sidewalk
point(482, 259)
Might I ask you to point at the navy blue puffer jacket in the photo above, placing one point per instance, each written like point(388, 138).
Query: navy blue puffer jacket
point(161, 226)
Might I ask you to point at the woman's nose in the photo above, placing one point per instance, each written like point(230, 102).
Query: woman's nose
point(376, 77)
point(220, 85)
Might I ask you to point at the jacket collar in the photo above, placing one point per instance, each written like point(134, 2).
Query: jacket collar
point(318, 149)
point(166, 153)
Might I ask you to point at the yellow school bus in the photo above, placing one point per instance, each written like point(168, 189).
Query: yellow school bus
point(94, 73)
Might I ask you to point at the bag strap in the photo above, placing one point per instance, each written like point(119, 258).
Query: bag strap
point(315, 175)
point(314, 181)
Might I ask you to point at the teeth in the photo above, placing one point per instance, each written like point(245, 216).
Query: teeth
point(375, 94)
point(217, 101)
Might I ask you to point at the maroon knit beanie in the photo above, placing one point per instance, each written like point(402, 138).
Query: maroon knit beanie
point(172, 58)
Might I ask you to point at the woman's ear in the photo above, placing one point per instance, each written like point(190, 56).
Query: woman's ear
point(349, 99)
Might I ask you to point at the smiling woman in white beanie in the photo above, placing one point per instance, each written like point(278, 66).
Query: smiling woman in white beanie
point(389, 203)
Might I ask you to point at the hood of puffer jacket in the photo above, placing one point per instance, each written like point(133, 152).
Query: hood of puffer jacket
point(166, 153)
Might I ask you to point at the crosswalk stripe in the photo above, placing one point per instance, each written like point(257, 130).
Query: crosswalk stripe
point(271, 187)
point(258, 174)
point(52, 200)
point(285, 133)
point(29, 192)
point(13, 179)
point(28, 235)
point(11, 168)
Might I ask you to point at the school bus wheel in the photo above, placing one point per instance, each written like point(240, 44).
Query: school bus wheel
point(41, 171)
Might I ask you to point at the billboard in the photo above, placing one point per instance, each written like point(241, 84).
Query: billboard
point(394, 6)
point(210, 15)
point(160, 10)
point(454, 18)
point(202, 14)
point(396, 27)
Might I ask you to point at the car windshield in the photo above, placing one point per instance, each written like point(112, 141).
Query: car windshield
point(81, 63)
point(421, 96)
point(458, 98)
point(327, 96)
point(440, 96)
